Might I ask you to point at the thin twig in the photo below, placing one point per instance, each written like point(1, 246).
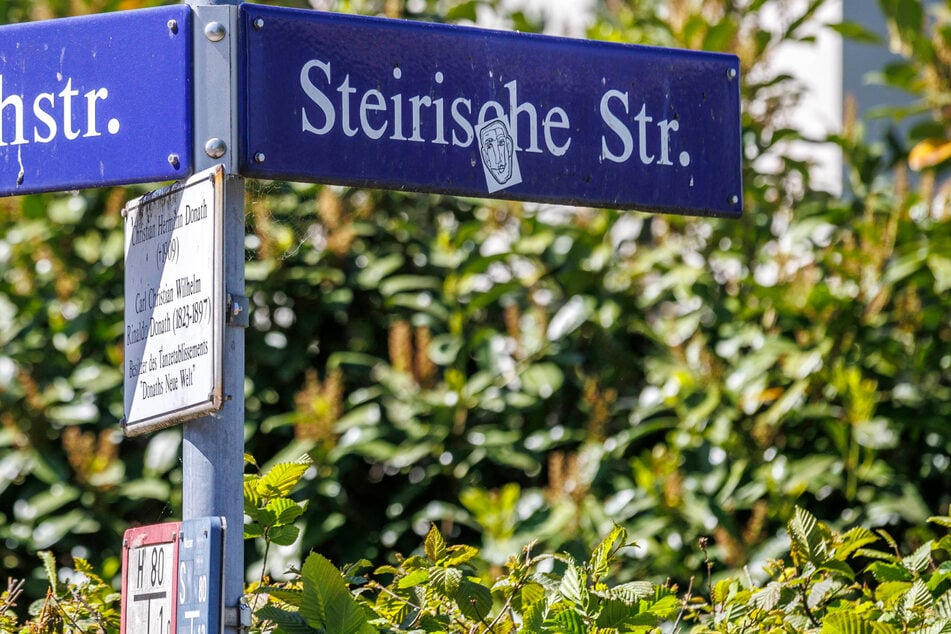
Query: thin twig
point(267, 549)
point(95, 614)
point(14, 590)
point(805, 604)
point(683, 604)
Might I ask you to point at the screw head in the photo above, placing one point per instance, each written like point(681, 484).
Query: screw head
point(258, 24)
point(174, 160)
point(215, 31)
point(734, 199)
point(173, 26)
point(259, 157)
point(215, 148)
point(731, 73)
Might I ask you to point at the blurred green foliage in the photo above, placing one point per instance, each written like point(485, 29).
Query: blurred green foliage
point(514, 372)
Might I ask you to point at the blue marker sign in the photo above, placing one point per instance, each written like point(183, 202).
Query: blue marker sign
point(200, 552)
point(393, 104)
point(95, 101)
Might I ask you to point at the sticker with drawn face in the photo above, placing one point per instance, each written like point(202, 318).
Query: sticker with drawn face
point(499, 161)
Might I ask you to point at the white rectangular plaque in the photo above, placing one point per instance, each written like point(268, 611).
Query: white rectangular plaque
point(174, 303)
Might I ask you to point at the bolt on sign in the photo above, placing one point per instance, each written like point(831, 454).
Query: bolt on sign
point(174, 303)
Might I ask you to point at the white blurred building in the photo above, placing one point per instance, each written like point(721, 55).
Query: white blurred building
point(833, 69)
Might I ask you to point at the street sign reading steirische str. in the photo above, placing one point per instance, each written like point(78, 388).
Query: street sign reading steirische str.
point(95, 101)
point(393, 104)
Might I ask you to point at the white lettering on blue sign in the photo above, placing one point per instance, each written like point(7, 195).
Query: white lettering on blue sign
point(501, 129)
point(47, 115)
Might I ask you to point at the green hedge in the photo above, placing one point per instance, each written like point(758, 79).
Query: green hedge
point(828, 581)
point(514, 372)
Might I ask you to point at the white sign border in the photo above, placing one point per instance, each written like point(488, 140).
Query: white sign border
point(216, 399)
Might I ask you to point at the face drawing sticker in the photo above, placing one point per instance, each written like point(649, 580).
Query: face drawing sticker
point(498, 155)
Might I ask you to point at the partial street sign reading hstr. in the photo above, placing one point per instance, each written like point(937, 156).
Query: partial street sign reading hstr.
point(395, 104)
point(174, 303)
point(95, 101)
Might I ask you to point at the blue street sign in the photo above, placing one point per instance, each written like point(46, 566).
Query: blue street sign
point(200, 567)
point(394, 104)
point(95, 101)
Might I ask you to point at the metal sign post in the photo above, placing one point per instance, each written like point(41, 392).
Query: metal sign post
point(213, 447)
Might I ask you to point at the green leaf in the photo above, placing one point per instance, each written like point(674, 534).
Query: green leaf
point(888, 572)
point(534, 615)
point(918, 597)
point(665, 607)
point(253, 530)
point(615, 614)
point(49, 566)
point(854, 539)
point(403, 283)
point(446, 581)
point(314, 575)
point(379, 268)
point(463, 11)
point(290, 596)
point(283, 535)
point(807, 544)
point(856, 32)
point(460, 554)
point(474, 600)
point(768, 597)
point(633, 591)
point(435, 545)
point(281, 479)
point(566, 622)
point(720, 35)
point(334, 608)
point(413, 578)
point(602, 555)
point(527, 596)
point(542, 379)
point(919, 560)
point(837, 567)
point(570, 317)
point(285, 510)
point(287, 620)
point(252, 498)
point(573, 587)
point(845, 623)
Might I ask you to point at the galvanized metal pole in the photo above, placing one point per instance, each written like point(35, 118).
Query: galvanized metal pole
point(213, 448)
